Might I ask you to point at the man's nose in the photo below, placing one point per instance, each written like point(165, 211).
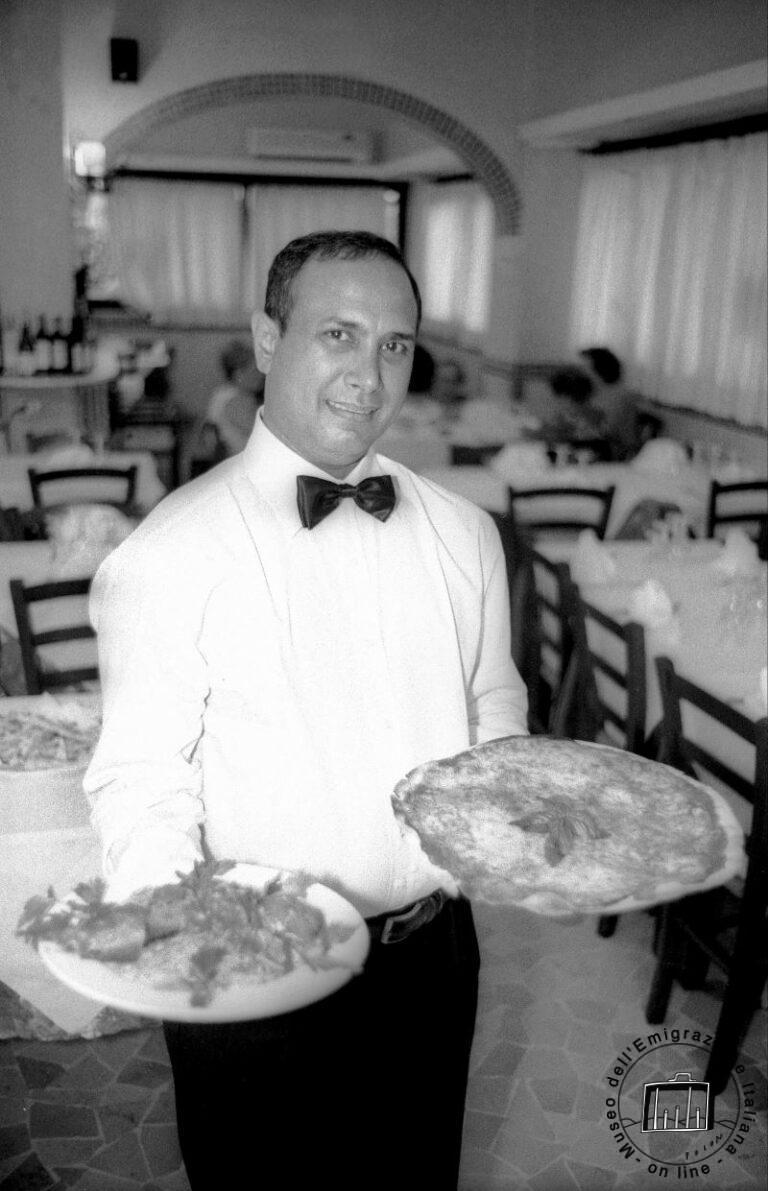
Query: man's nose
point(365, 373)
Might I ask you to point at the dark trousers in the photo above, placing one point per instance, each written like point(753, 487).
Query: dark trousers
point(364, 1090)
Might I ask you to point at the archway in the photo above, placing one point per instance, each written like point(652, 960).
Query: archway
point(486, 166)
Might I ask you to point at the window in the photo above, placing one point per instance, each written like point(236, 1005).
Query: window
point(451, 247)
point(198, 252)
point(671, 272)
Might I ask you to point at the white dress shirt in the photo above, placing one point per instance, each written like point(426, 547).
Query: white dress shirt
point(274, 683)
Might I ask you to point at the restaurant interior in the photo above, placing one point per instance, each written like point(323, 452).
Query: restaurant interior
point(580, 191)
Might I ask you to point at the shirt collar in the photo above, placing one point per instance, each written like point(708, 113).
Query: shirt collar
point(273, 467)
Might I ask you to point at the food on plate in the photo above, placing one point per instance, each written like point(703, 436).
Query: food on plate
point(201, 934)
point(562, 826)
point(36, 739)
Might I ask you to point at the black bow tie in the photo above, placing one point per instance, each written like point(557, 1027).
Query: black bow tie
point(317, 498)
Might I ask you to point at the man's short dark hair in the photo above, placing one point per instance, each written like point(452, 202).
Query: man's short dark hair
point(325, 246)
point(573, 383)
point(604, 364)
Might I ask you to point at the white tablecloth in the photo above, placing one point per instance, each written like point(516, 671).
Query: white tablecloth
point(487, 486)
point(718, 636)
point(57, 847)
point(33, 562)
point(418, 449)
point(15, 491)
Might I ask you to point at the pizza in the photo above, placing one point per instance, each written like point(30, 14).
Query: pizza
point(31, 739)
point(197, 935)
point(564, 827)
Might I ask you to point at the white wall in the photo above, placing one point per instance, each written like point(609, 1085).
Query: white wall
point(492, 65)
point(36, 257)
point(531, 296)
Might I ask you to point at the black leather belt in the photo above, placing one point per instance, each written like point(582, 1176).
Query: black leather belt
point(393, 928)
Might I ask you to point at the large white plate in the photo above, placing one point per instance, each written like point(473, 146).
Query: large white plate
point(125, 989)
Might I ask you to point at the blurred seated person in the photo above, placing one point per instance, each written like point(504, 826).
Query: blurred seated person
point(617, 404)
point(421, 409)
point(233, 406)
point(572, 417)
point(450, 384)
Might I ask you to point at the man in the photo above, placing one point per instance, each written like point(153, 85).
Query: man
point(271, 676)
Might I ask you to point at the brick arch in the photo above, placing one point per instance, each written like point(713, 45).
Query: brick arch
point(486, 166)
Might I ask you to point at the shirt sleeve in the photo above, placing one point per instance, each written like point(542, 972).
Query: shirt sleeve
point(144, 781)
point(497, 699)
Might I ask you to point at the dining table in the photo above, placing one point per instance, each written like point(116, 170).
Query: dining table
point(16, 491)
point(702, 603)
point(79, 540)
point(46, 839)
point(488, 485)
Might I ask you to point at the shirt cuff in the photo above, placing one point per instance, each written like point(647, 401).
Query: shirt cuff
point(148, 860)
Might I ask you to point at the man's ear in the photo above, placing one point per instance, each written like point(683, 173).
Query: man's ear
point(265, 336)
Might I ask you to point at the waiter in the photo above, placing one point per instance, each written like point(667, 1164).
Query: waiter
point(281, 641)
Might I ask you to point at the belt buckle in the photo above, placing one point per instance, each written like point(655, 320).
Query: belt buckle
point(396, 920)
point(433, 903)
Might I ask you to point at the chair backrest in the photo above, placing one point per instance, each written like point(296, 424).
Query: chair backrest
point(701, 734)
point(81, 485)
point(744, 504)
point(561, 508)
point(613, 660)
point(58, 630)
point(552, 596)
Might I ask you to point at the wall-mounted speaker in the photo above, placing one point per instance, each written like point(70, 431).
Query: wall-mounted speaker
point(124, 59)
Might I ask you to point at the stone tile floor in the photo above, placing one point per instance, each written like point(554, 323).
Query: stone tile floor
point(559, 1007)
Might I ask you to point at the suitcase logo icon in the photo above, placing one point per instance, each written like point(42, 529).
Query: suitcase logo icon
point(680, 1104)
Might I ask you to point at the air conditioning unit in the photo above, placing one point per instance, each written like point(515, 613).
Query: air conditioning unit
point(310, 144)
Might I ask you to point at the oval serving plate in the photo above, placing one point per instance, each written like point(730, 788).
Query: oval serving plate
point(124, 988)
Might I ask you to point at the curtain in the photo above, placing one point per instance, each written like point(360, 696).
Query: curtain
point(670, 272)
point(450, 251)
point(199, 252)
point(277, 214)
point(177, 248)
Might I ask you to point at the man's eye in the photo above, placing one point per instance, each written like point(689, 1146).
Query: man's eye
point(394, 347)
point(337, 334)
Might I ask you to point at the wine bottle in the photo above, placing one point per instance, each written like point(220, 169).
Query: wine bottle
point(26, 351)
point(59, 348)
point(43, 347)
point(76, 344)
point(2, 343)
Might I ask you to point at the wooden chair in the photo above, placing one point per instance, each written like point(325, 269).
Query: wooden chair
point(744, 504)
point(548, 615)
point(725, 926)
point(577, 509)
point(105, 479)
point(37, 676)
point(614, 654)
point(607, 681)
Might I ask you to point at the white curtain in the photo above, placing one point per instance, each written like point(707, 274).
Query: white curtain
point(671, 272)
point(278, 214)
point(178, 248)
point(199, 252)
point(450, 251)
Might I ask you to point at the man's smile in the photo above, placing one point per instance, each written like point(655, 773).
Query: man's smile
point(348, 409)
